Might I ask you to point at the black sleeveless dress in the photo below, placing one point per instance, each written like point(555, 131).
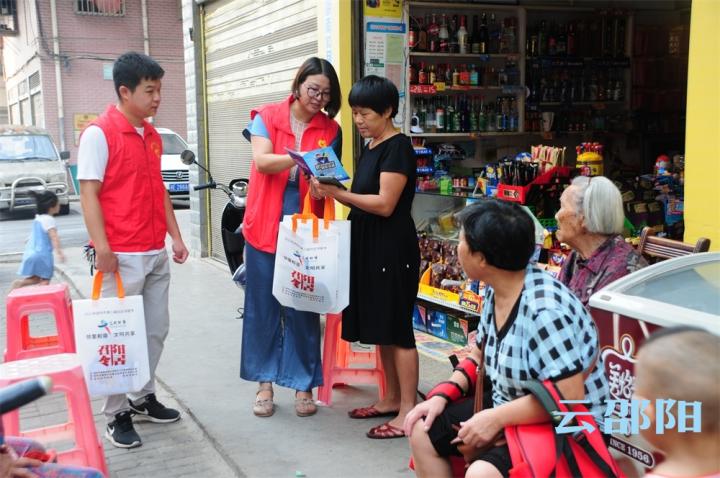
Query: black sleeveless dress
point(385, 256)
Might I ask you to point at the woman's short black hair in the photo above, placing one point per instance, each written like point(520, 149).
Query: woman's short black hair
point(502, 231)
point(132, 67)
point(376, 93)
point(319, 66)
point(44, 200)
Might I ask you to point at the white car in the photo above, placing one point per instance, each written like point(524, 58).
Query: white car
point(175, 174)
point(29, 161)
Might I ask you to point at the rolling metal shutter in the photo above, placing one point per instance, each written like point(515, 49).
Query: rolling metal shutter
point(253, 49)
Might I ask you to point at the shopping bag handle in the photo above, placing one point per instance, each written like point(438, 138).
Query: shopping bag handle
point(328, 209)
point(97, 285)
point(304, 217)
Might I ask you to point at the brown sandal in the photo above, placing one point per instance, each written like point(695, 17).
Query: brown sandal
point(264, 407)
point(305, 407)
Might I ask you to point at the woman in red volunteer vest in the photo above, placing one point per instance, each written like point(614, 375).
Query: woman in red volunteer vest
point(279, 344)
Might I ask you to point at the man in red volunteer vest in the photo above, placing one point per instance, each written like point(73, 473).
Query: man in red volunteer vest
point(128, 213)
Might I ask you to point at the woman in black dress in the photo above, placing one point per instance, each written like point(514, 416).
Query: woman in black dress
point(384, 257)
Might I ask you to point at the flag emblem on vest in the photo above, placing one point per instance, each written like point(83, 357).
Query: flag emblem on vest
point(156, 149)
point(322, 143)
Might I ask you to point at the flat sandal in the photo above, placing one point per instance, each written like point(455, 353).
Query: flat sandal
point(305, 407)
point(264, 407)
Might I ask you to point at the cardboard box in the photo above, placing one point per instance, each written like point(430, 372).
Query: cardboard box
point(437, 324)
point(457, 330)
point(420, 318)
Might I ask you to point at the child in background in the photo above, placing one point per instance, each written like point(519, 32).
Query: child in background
point(37, 262)
point(682, 364)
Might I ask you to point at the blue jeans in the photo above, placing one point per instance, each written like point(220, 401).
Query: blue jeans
point(279, 344)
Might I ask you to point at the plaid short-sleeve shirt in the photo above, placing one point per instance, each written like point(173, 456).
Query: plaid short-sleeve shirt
point(552, 336)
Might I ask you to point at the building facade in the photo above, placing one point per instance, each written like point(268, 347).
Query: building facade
point(58, 62)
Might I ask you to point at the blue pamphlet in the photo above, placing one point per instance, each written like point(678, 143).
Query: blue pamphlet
point(320, 163)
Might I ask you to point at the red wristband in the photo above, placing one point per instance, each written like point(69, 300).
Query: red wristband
point(450, 391)
point(468, 367)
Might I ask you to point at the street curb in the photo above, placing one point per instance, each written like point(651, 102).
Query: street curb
point(10, 257)
point(215, 444)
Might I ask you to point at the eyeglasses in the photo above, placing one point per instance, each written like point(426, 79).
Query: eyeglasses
point(316, 93)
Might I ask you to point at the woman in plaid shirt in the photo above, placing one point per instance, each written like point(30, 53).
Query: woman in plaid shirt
point(533, 327)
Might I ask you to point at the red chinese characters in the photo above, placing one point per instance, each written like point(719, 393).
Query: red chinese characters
point(303, 281)
point(112, 354)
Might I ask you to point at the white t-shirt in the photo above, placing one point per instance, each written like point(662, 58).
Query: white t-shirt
point(46, 221)
point(93, 153)
point(92, 162)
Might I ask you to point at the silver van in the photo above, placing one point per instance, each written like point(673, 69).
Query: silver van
point(30, 161)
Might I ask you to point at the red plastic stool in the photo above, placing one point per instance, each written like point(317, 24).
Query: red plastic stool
point(337, 358)
point(67, 376)
point(22, 302)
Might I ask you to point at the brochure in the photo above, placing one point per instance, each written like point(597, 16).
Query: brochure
point(321, 163)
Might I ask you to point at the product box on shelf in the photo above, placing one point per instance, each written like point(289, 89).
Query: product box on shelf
point(459, 327)
point(437, 324)
point(420, 318)
point(519, 193)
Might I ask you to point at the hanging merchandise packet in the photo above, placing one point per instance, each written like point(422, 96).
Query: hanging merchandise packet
point(322, 163)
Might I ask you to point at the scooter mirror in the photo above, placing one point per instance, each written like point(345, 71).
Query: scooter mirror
point(187, 157)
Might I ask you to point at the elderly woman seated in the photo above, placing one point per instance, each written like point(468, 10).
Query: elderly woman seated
point(590, 221)
point(532, 327)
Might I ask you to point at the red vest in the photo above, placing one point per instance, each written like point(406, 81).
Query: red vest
point(132, 196)
point(265, 191)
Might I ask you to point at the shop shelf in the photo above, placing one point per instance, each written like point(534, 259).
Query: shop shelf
point(477, 56)
point(463, 135)
point(443, 6)
point(445, 303)
point(414, 91)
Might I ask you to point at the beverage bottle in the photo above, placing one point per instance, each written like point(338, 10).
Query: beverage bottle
point(562, 41)
point(499, 119)
point(542, 39)
point(430, 122)
point(462, 35)
point(473, 76)
point(460, 115)
point(433, 33)
point(413, 74)
point(552, 40)
point(444, 35)
point(412, 34)
point(490, 115)
point(513, 123)
point(475, 37)
point(449, 116)
point(422, 43)
point(422, 75)
point(455, 77)
point(508, 39)
point(482, 117)
point(453, 46)
point(570, 47)
point(484, 38)
point(440, 115)
point(423, 115)
point(432, 78)
point(464, 76)
point(494, 35)
point(473, 126)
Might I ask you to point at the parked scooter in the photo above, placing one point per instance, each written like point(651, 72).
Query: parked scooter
point(232, 217)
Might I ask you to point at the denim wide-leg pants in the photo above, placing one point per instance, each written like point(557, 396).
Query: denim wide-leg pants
point(279, 344)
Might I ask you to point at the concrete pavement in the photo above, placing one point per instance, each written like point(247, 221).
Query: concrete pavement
point(218, 435)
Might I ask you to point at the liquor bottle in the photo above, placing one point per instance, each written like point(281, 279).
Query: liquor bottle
point(542, 39)
point(449, 115)
point(464, 76)
point(413, 34)
point(483, 34)
point(433, 32)
point(490, 115)
point(453, 46)
point(562, 42)
point(422, 75)
point(494, 35)
point(475, 37)
point(422, 43)
point(413, 74)
point(513, 116)
point(432, 78)
point(508, 36)
point(440, 115)
point(482, 117)
point(473, 113)
point(462, 35)
point(474, 80)
point(570, 47)
point(552, 40)
point(455, 77)
point(499, 117)
point(459, 119)
point(444, 35)
point(422, 115)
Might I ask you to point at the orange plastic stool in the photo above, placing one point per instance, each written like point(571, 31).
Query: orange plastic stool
point(67, 376)
point(22, 302)
point(337, 359)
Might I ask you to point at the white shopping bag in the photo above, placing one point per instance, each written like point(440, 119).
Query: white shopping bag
point(306, 269)
point(111, 341)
